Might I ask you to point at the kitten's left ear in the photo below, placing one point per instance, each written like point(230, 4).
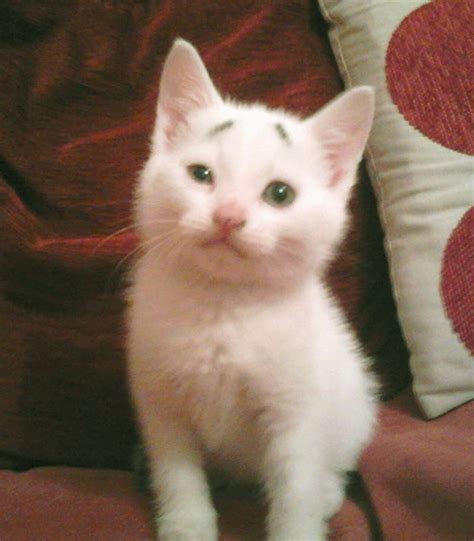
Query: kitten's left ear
point(185, 86)
point(342, 128)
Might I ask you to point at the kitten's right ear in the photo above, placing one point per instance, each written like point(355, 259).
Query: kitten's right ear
point(185, 86)
point(342, 128)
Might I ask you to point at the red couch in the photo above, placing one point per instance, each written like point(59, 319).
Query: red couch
point(78, 84)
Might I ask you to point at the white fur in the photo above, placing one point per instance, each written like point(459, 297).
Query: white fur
point(238, 357)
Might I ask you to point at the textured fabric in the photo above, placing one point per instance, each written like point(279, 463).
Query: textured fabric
point(78, 86)
point(420, 58)
point(420, 474)
point(58, 504)
point(456, 283)
point(429, 72)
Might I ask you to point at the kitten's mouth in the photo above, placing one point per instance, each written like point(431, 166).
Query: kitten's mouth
point(226, 243)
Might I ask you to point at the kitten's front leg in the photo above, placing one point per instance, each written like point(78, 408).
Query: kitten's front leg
point(185, 510)
point(293, 479)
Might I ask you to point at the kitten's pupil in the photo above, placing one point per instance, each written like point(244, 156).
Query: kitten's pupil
point(200, 173)
point(279, 194)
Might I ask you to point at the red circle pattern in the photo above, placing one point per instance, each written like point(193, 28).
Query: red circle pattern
point(430, 72)
point(457, 279)
point(430, 76)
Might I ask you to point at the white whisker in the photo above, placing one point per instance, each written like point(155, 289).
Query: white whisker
point(154, 242)
point(104, 240)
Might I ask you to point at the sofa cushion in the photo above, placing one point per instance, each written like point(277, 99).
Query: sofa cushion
point(419, 473)
point(72, 504)
point(101, 505)
point(419, 56)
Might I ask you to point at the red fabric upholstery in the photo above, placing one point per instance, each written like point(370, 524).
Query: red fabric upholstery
point(420, 474)
point(74, 504)
point(55, 504)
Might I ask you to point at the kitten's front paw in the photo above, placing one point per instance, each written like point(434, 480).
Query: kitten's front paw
point(316, 537)
point(187, 527)
point(298, 532)
point(333, 495)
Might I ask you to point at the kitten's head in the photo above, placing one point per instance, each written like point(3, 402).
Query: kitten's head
point(243, 193)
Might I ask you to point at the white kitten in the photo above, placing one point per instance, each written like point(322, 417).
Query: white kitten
point(238, 356)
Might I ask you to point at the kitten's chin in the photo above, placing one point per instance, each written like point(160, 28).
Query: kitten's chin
point(218, 261)
point(216, 246)
point(223, 260)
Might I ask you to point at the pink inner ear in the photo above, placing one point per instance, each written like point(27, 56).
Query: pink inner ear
point(342, 127)
point(339, 156)
point(185, 87)
point(173, 114)
point(336, 163)
point(168, 121)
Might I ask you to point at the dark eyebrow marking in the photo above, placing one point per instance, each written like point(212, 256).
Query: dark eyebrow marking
point(220, 127)
point(282, 133)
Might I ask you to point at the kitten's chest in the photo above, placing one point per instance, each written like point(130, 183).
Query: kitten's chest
point(213, 382)
point(209, 344)
point(205, 331)
point(221, 361)
point(209, 336)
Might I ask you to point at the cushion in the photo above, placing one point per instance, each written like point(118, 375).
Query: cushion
point(419, 473)
point(419, 56)
point(58, 503)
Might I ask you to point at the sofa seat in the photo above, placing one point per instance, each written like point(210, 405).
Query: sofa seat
point(78, 504)
point(416, 474)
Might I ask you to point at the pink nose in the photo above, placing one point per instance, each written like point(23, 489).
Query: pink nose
point(228, 217)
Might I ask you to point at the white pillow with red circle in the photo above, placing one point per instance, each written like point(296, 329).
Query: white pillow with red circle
point(419, 56)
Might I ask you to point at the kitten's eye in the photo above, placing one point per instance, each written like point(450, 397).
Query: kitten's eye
point(279, 194)
point(200, 173)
